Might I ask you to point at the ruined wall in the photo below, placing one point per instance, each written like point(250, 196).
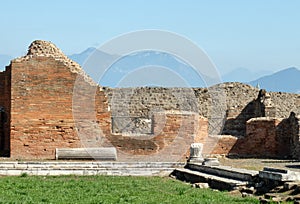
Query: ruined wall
point(143, 101)
point(230, 104)
point(260, 140)
point(212, 103)
point(173, 132)
point(41, 103)
point(285, 103)
point(51, 105)
point(41, 106)
point(218, 145)
point(265, 137)
point(287, 135)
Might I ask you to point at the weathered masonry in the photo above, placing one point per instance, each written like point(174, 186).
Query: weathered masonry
point(37, 107)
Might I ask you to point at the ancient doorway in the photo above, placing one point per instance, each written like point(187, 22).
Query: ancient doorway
point(3, 133)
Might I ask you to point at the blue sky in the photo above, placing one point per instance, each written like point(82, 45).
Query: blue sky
point(253, 34)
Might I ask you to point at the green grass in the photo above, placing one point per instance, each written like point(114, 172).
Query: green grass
point(107, 189)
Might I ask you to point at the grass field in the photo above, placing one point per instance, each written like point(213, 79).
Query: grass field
point(107, 189)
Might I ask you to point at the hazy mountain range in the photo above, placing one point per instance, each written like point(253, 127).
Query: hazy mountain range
point(286, 80)
point(244, 75)
point(144, 68)
point(150, 68)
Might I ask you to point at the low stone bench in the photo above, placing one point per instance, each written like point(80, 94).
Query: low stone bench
point(101, 153)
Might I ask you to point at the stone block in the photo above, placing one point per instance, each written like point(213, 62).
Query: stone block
point(103, 153)
point(211, 162)
point(279, 174)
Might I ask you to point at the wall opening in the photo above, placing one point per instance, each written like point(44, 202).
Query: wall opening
point(3, 120)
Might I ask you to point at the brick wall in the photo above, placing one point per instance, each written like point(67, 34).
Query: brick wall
point(287, 135)
point(48, 112)
point(261, 139)
point(266, 137)
point(172, 136)
point(218, 145)
point(41, 108)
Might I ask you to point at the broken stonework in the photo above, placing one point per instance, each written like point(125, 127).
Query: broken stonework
point(279, 174)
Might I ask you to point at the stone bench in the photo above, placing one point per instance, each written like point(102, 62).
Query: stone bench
point(101, 153)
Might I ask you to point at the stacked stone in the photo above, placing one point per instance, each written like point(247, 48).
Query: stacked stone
point(212, 102)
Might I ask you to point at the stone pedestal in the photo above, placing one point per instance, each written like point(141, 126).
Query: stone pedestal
point(196, 153)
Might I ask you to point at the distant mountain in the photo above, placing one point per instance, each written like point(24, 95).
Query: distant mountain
point(94, 62)
point(4, 61)
point(149, 68)
point(81, 57)
point(144, 68)
point(91, 54)
point(243, 75)
point(286, 80)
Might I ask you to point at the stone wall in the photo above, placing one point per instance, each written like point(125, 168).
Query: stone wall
point(285, 103)
point(211, 103)
point(227, 106)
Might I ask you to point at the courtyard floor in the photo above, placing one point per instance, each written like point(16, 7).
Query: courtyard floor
point(259, 164)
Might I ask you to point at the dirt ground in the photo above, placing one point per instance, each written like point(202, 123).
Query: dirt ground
point(259, 164)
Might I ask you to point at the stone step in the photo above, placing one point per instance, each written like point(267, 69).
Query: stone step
point(90, 164)
point(213, 181)
point(88, 168)
point(114, 172)
point(226, 172)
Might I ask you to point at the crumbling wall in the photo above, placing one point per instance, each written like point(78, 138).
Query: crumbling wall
point(41, 102)
point(260, 139)
point(218, 145)
point(174, 131)
point(211, 103)
point(287, 135)
point(237, 103)
point(40, 109)
point(269, 137)
point(51, 104)
point(285, 103)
